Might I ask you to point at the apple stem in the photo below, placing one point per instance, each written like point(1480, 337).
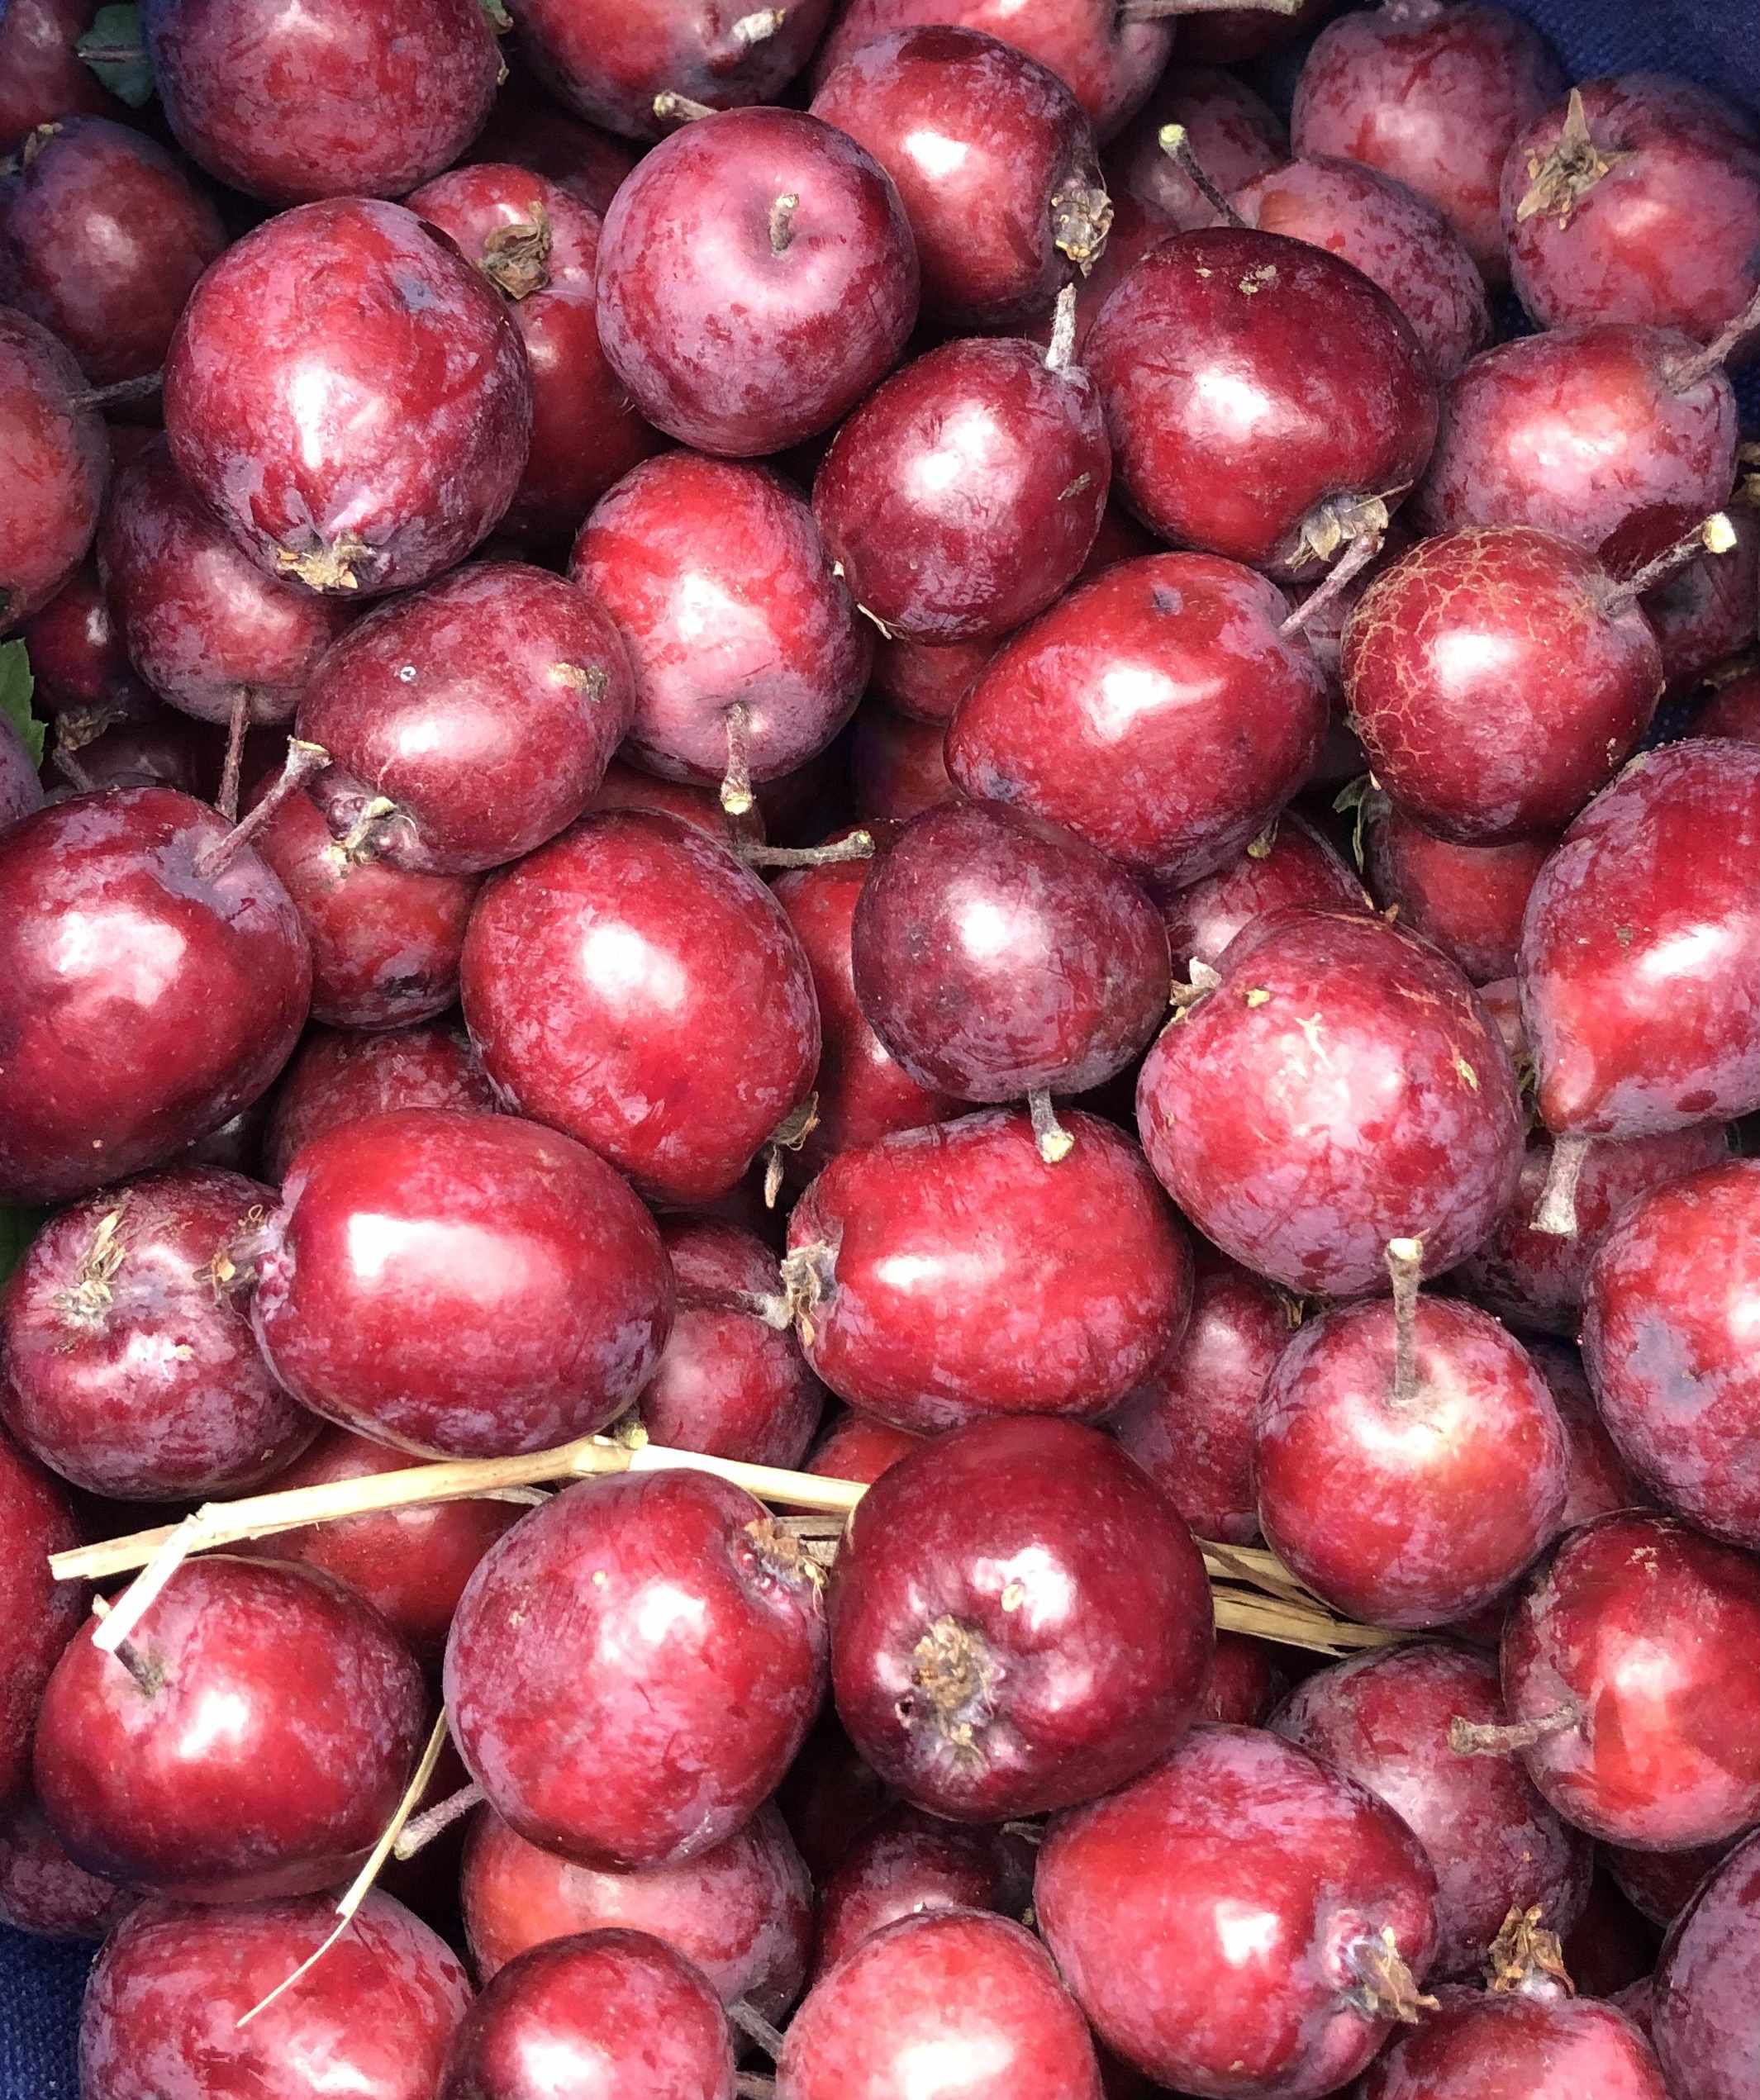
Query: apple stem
point(147, 1675)
point(356, 845)
point(1405, 1266)
point(121, 392)
point(236, 727)
point(857, 846)
point(1526, 1959)
point(736, 782)
point(789, 1135)
point(670, 106)
point(753, 2025)
point(303, 760)
point(1685, 372)
point(1489, 1739)
point(758, 28)
point(1556, 1212)
point(1062, 351)
point(1360, 550)
point(1390, 1991)
point(782, 222)
point(1175, 141)
point(1716, 535)
point(1054, 1141)
point(422, 1830)
point(749, 2087)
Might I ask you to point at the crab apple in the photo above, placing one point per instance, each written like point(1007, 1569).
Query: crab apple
point(1628, 1674)
point(42, 1892)
point(1019, 1621)
point(1288, 863)
point(1636, 199)
point(323, 1715)
point(601, 974)
point(1189, 1425)
point(997, 956)
point(1260, 394)
point(625, 788)
point(539, 246)
point(76, 650)
point(898, 768)
point(1661, 1886)
point(336, 1076)
point(994, 161)
point(1586, 433)
point(1709, 611)
point(1640, 923)
point(1231, 131)
point(925, 680)
point(42, 77)
point(742, 1911)
point(54, 466)
point(126, 923)
point(1245, 1681)
point(167, 2003)
point(349, 395)
point(1433, 94)
point(1706, 1981)
point(129, 1363)
point(332, 99)
point(204, 626)
point(858, 1448)
point(908, 1863)
point(610, 59)
point(950, 1274)
point(1160, 710)
point(1382, 1718)
point(527, 129)
point(102, 236)
point(1468, 900)
point(950, 1987)
point(756, 276)
point(624, 1617)
point(1450, 663)
point(829, 1798)
point(37, 1616)
point(464, 1283)
point(1243, 1920)
point(744, 642)
point(1600, 1481)
point(1233, 36)
point(1340, 1085)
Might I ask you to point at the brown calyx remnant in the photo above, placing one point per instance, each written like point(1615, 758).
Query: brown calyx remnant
point(87, 1301)
point(1081, 219)
point(809, 1278)
point(1558, 181)
point(343, 565)
point(782, 1555)
point(789, 1135)
point(951, 1666)
point(516, 260)
point(1525, 1957)
point(1389, 1990)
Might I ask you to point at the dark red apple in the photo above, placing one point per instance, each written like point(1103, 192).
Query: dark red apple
point(1703, 2015)
point(37, 1616)
point(337, 1076)
point(1468, 900)
point(908, 1863)
point(1288, 863)
point(54, 466)
point(42, 75)
point(42, 1892)
point(1230, 131)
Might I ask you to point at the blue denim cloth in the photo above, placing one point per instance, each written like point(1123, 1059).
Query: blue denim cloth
point(1710, 41)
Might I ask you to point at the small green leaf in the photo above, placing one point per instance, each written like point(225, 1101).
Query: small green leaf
point(1363, 796)
point(115, 49)
point(17, 1229)
point(17, 686)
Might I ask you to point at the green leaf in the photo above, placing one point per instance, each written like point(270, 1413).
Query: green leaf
point(17, 1229)
point(115, 49)
point(17, 686)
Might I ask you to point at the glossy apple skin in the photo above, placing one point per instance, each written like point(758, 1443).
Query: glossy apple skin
point(1233, 130)
point(609, 59)
point(1666, 235)
point(349, 395)
point(1288, 863)
point(602, 977)
point(170, 1989)
point(1431, 1508)
point(1245, 1681)
point(1220, 721)
point(337, 1076)
point(41, 77)
point(207, 979)
point(142, 1382)
point(77, 656)
point(1666, 1322)
point(620, 2010)
point(1640, 1621)
point(742, 1911)
point(1434, 96)
point(711, 1644)
point(585, 431)
point(1510, 2046)
point(1535, 1280)
point(970, 1279)
point(1703, 2021)
point(54, 466)
point(994, 955)
point(323, 1711)
point(856, 1447)
point(1137, 1894)
point(727, 341)
point(1468, 900)
point(37, 1617)
point(42, 1892)
point(1600, 1481)
point(470, 1286)
point(994, 161)
point(1629, 1036)
point(908, 1863)
point(1343, 403)
point(102, 236)
point(1382, 1719)
point(1250, 1128)
point(1079, 1590)
point(1399, 239)
point(955, 1986)
point(1450, 666)
point(1189, 1425)
point(723, 588)
point(329, 100)
point(1580, 432)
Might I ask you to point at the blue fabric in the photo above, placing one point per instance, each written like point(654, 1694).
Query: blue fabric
point(1712, 41)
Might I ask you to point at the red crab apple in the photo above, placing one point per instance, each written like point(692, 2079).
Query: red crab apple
point(1468, 900)
point(128, 920)
point(756, 276)
point(41, 1890)
point(323, 1713)
point(1340, 1085)
point(908, 1863)
point(337, 1076)
point(527, 129)
point(349, 395)
point(469, 1285)
point(924, 680)
point(334, 98)
point(601, 975)
point(1662, 1884)
point(858, 1448)
point(626, 1617)
point(1288, 863)
point(42, 75)
point(168, 2000)
point(77, 655)
point(950, 1274)
point(37, 1615)
point(1019, 1621)
point(54, 466)
point(1245, 1681)
point(1243, 1920)
point(1705, 1984)
point(1600, 1481)
point(898, 768)
point(1230, 131)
